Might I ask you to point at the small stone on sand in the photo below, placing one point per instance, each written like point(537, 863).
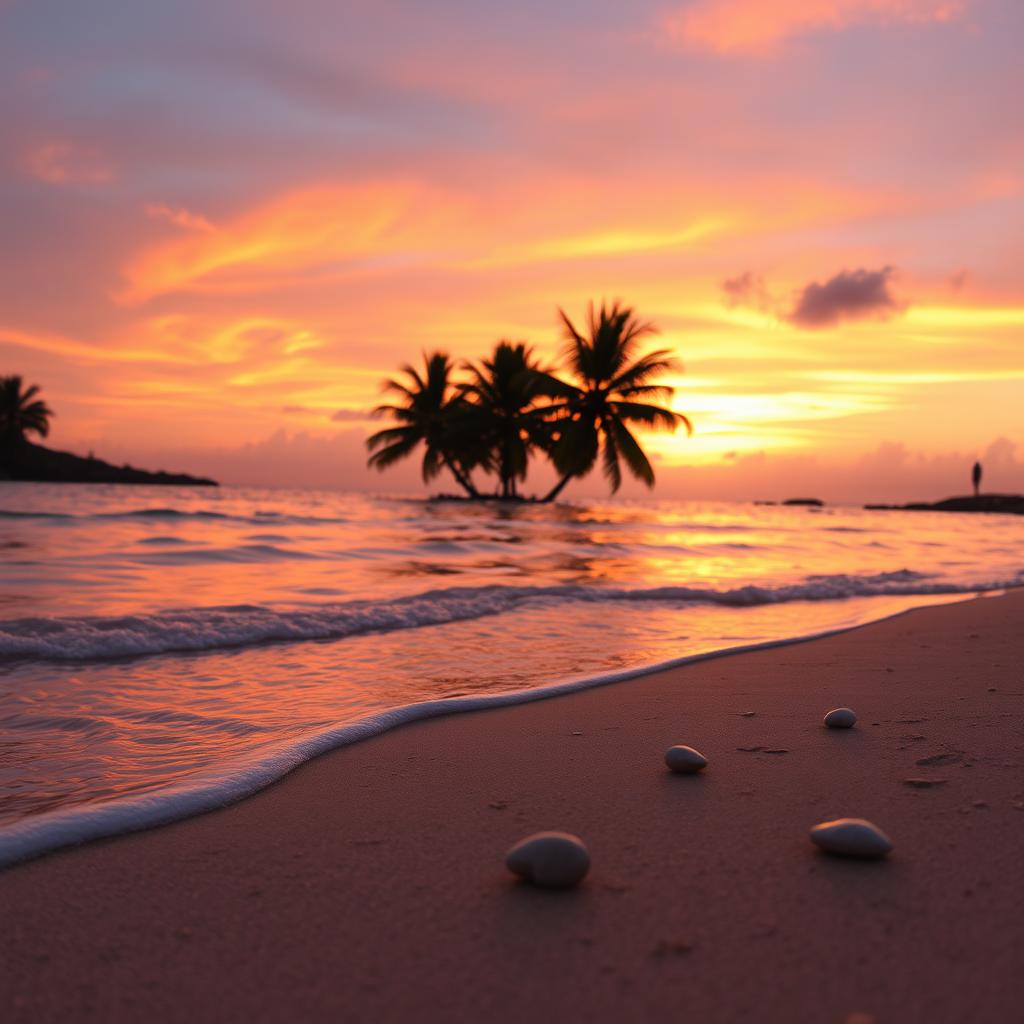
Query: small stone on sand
point(685, 760)
point(924, 783)
point(841, 718)
point(553, 860)
point(851, 837)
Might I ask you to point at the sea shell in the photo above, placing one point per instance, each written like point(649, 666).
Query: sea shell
point(841, 718)
point(685, 760)
point(851, 837)
point(554, 860)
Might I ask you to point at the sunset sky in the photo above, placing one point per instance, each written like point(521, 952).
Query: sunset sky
point(224, 222)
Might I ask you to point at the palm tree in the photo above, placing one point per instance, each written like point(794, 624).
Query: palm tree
point(21, 412)
point(504, 390)
point(614, 391)
point(432, 413)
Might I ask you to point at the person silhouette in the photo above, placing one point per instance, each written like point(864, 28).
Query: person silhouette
point(976, 477)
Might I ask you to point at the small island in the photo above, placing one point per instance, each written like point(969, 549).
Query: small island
point(504, 410)
point(1011, 504)
point(22, 412)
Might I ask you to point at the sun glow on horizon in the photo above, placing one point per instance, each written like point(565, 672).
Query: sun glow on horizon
point(231, 281)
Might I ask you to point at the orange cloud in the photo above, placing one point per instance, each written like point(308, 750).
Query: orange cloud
point(71, 348)
point(330, 231)
point(61, 163)
point(179, 216)
point(754, 26)
point(300, 231)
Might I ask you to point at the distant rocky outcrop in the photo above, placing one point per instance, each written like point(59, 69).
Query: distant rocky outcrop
point(1005, 503)
point(811, 502)
point(32, 462)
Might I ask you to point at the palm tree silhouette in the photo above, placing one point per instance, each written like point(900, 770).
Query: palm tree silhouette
point(21, 412)
point(504, 392)
point(432, 412)
point(614, 390)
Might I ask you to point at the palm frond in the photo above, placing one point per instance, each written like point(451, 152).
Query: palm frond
point(404, 435)
point(655, 416)
point(637, 462)
point(610, 459)
point(391, 454)
point(649, 365)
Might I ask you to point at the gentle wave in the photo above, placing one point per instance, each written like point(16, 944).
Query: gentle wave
point(241, 553)
point(242, 778)
point(256, 519)
point(209, 629)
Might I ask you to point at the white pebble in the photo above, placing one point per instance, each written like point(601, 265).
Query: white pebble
point(685, 760)
point(841, 718)
point(555, 860)
point(851, 837)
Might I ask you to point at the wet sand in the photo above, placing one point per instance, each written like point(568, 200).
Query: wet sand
point(369, 884)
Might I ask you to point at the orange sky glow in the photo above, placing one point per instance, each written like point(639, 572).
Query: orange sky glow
point(225, 223)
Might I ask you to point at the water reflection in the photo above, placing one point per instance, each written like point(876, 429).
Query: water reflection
point(80, 732)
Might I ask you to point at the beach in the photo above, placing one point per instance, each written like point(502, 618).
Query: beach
point(369, 884)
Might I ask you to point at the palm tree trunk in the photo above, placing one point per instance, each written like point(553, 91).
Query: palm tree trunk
point(464, 481)
point(557, 489)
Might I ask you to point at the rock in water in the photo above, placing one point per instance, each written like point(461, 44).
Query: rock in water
point(685, 760)
point(554, 860)
point(841, 718)
point(851, 837)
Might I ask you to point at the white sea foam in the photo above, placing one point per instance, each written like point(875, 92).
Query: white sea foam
point(121, 711)
point(208, 629)
point(232, 782)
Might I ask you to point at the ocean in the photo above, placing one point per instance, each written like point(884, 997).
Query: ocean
point(166, 650)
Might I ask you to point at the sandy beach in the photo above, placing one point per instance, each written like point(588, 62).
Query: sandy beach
point(369, 885)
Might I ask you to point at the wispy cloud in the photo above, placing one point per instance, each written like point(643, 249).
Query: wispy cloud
point(59, 162)
point(178, 216)
point(351, 416)
point(747, 290)
point(755, 26)
point(299, 231)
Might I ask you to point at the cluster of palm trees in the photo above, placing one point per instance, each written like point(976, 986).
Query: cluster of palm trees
point(21, 412)
point(508, 407)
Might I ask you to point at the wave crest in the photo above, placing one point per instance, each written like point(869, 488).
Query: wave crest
point(216, 628)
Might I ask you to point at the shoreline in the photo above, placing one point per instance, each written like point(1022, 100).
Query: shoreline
point(216, 788)
point(368, 884)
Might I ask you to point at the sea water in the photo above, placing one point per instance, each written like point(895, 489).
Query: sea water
point(163, 650)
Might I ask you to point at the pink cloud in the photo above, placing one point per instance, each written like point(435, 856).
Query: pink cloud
point(753, 26)
point(63, 163)
point(179, 216)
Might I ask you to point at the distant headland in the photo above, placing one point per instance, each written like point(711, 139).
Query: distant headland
point(1005, 503)
point(33, 462)
point(23, 412)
